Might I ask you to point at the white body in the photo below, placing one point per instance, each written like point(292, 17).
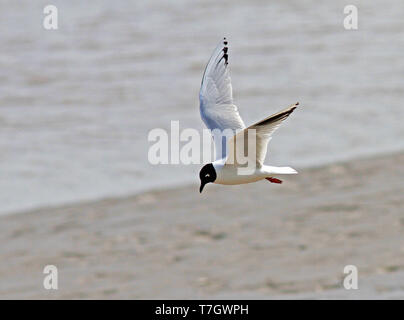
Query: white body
point(231, 174)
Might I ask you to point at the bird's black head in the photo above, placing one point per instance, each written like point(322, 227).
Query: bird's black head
point(207, 174)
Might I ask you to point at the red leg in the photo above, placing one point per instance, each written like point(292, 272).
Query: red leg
point(274, 180)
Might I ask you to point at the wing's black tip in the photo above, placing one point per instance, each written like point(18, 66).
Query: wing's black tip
point(225, 55)
point(226, 58)
point(282, 115)
point(225, 49)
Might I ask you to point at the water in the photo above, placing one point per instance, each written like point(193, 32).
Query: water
point(76, 104)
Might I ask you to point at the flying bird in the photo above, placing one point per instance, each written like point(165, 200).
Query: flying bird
point(219, 113)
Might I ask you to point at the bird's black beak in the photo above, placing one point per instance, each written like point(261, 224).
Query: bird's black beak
point(202, 186)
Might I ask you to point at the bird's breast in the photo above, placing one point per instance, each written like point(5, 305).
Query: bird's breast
point(229, 174)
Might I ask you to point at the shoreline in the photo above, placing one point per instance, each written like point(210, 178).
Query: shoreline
point(370, 156)
point(255, 241)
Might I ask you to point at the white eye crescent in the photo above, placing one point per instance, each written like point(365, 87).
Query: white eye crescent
point(208, 175)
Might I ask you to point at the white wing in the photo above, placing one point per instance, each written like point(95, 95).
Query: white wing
point(216, 99)
point(260, 133)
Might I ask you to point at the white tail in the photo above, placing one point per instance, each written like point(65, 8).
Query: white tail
point(282, 170)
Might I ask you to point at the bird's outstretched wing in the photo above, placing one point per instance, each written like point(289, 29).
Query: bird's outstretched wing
point(259, 133)
point(216, 99)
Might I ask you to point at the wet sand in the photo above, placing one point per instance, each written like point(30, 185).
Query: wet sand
point(262, 240)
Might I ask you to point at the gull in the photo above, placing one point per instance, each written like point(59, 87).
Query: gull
point(219, 113)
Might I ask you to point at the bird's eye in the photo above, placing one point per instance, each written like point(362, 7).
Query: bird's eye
point(208, 175)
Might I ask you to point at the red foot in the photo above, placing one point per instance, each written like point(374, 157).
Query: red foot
point(274, 180)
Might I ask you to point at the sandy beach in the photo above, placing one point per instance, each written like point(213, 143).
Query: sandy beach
point(261, 240)
point(80, 104)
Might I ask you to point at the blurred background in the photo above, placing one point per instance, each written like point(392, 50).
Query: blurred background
point(77, 103)
point(76, 107)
